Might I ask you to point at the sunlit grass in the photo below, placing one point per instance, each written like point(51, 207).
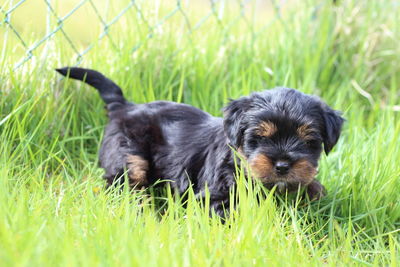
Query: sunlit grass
point(54, 209)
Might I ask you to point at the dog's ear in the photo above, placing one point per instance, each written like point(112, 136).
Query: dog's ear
point(332, 127)
point(234, 116)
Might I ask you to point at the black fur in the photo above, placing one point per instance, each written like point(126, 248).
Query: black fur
point(178, 142)
point(109, 91)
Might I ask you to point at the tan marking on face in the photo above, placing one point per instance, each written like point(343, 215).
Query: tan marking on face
point(138, 168)
point(261, 166)
point(266, 128)
point(305, 131)
point(303, 172)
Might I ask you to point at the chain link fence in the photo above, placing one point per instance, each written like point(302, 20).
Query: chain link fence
point(28, 27)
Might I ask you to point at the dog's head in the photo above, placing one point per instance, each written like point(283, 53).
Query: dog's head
point(281, 133)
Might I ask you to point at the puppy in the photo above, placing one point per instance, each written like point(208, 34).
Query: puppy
point(280, 134)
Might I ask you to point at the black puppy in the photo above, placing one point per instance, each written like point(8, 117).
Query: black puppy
point(278, 132)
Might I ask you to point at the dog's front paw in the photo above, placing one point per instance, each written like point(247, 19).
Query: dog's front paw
point(315, 190)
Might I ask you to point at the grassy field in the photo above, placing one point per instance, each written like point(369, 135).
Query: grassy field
point(54, 209)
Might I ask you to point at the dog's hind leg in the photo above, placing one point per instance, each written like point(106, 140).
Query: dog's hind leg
point(134, 167)
point(138, 168)
point(121, 157)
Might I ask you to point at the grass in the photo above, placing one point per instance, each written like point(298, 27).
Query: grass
point(54, 209)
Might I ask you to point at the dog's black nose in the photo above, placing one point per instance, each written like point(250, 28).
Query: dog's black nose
point(282, 167)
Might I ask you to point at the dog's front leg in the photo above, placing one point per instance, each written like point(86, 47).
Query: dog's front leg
point(220, 207)
point(217, 204)
point(315, 190)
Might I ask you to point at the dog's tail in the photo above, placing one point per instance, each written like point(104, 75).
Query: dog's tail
point(109, 91)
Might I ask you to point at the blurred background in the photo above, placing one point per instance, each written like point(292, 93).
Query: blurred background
point(30, 26)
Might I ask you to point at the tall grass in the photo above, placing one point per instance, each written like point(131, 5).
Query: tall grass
point(54, 209)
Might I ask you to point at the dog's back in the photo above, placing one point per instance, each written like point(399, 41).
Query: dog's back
point(161, 139)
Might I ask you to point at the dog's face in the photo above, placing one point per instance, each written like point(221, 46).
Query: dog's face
point(280, 133)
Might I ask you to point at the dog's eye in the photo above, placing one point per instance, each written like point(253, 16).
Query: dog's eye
point(312, 143)
point(253, 142)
